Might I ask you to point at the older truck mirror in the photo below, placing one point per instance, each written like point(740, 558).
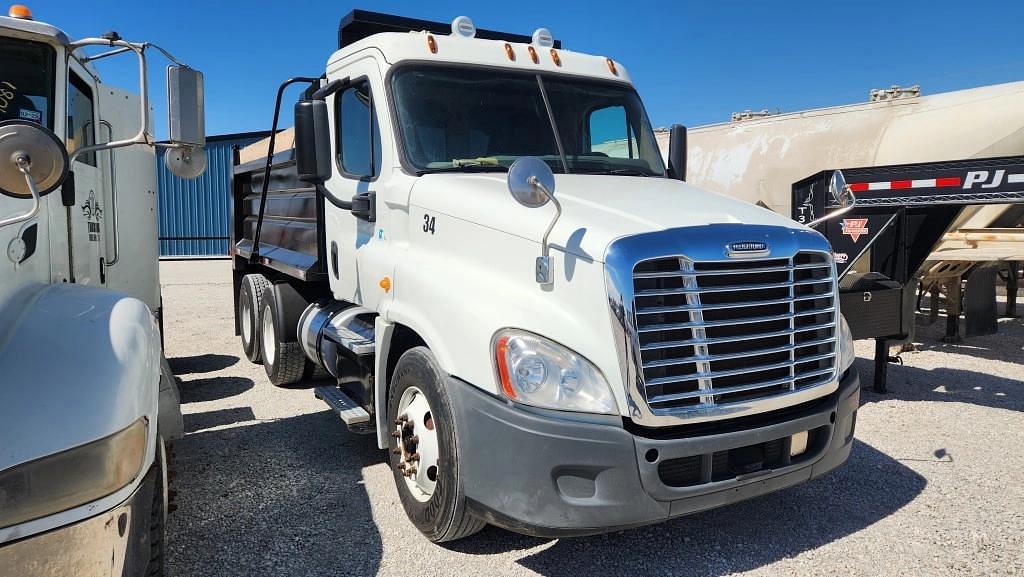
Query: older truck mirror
point(677, 152)
point(312, 141)
point(185, 112)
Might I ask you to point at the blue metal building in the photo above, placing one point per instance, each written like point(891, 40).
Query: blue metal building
point(194, 215)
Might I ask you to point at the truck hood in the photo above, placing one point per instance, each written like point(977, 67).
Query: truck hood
point(596, 209)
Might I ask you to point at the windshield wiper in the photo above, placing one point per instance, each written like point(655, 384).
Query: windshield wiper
point(621, 172)
point(465, 168)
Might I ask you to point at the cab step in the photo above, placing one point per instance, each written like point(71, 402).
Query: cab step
point(347, 409)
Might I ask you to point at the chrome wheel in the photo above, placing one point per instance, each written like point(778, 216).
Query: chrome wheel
point(267, 332)
point(416, 437)
point(246, 320)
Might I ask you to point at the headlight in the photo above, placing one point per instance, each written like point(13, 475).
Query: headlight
point(846, 352)
point(73, 477)
point(536, 371)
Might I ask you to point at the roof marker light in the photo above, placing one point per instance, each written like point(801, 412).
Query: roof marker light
point(612, 67)
point(555, 58)
point(20, 12)
point(542, 37)
point(509, 52)
point(463, 26)
point(533, 55)
point(431, 44)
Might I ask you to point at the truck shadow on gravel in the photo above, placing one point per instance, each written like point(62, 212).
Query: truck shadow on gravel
point(213, 388)
point(282, 497)
point(868, 488)
point(207, 363)
point(945, 384)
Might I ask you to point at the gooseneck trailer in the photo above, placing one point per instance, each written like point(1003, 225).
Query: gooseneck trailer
point(548, 331)
point(88, 404)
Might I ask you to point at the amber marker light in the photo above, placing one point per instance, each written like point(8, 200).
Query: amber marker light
point(555, 58)
point(20, 12)
point(509, 52)
point(431, 44)
point(533, 55)
point(611, 66)
point(385, 283)
point(501, 352)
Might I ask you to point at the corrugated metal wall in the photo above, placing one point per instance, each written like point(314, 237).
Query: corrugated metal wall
point(194, 215)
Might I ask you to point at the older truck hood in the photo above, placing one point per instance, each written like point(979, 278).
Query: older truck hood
point(596, 209)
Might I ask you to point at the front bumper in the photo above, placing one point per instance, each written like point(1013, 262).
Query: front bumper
point(114, 543)
point(552, 477)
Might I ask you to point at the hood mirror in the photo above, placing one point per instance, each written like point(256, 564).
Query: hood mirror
point(841, 195)
point(186, 116)
point(532, 184)
point(33, 163)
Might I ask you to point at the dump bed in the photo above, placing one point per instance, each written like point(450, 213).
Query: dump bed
point(291, 235)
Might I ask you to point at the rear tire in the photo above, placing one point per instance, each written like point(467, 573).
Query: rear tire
point(440, 512)
point(284, 362)
point(250, 303)
point(158, 515)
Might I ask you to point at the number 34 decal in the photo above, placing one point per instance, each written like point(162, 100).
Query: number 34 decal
point(428, 223)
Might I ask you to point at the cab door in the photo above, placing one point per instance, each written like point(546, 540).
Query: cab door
point(357, 259)
point(85, 217)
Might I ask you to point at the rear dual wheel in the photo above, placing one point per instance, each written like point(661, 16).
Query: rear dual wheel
point(250, 302)
point(424, 451)
point(283, 360)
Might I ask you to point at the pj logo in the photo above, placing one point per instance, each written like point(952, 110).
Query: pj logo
point(854, 227)
point(93, 213)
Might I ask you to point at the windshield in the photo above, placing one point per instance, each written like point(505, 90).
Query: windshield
point(482, 119)
point(26, 81)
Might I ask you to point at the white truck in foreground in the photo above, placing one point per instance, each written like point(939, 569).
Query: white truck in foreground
point(546, 336)
point(87, 402)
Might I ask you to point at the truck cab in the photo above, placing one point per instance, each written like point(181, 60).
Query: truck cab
point(88, 404)
point(476, 236)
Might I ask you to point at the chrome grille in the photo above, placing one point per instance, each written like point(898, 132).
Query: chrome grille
point(714, 333)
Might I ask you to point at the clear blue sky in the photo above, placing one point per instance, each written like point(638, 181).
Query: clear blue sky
point(693, 62)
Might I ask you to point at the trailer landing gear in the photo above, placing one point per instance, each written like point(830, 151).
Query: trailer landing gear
point(882, 360)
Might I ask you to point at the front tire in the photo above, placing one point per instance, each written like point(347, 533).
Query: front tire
point(284, 362)
point(424, 453)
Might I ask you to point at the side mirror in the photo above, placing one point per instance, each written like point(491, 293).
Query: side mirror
point(31, 156)
point(838, 189)
point(532, 184)
point(677, 152)
point(185, 110)
point(312, 141)
point(33, 163)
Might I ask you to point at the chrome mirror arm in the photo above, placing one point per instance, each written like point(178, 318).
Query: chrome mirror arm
point(23, 166)
point(544, 269)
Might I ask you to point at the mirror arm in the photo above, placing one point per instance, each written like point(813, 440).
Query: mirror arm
point(853, 202)
point(23, 166)
point(544, 272)
point(332, 87)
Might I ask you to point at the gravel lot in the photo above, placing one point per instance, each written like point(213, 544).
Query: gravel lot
point(270, 482)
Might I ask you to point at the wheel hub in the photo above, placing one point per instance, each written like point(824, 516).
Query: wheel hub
point(269, 342)
point(416, 444)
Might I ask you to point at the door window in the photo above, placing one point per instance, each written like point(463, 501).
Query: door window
point(358, 134)
point(610, 133)
point(81, 122)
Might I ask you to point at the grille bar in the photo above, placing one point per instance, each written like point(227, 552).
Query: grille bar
point(736, 389)
point(676, 273)
point(719, 332)
point(728, 288)
point(682, 309)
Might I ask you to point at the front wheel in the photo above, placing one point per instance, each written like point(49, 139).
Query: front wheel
point(424, 449)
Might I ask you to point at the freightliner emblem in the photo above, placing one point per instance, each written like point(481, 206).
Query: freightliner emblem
point(747, 248)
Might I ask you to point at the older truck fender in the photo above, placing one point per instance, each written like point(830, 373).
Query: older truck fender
point(77, 364)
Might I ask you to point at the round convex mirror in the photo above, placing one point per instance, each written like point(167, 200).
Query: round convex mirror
point(47, 158)
point(837, 188)
point(523, 178)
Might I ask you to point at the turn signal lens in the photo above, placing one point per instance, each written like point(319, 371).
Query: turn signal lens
point(611, 66)
point(431, 44)
point(19, 11)
point(509, 52)
point(555, 58)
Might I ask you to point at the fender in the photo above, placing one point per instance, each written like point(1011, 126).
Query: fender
point(77, 363)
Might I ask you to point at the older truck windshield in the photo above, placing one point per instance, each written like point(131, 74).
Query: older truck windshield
point(26, 81)
point(456, 118)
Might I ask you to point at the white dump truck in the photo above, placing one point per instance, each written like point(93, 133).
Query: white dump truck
point(87, 402)
point(545, 336)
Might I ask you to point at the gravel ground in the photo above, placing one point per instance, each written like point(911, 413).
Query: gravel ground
point(271, 483)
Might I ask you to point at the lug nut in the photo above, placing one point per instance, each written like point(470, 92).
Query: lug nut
point(402, 418)
point(396, 435)
point(414, 439)
point(396, 451)
point(411, 471)
point(414, 457)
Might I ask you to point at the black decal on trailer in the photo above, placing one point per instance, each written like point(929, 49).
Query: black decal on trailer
point(428, 223)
